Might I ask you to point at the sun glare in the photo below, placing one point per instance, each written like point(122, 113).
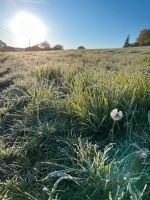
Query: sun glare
point(27, 27)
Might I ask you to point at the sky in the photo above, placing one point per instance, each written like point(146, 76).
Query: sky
point(71, 23)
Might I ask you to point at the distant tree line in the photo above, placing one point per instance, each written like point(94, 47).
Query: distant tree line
point(44, 46)
point(5, 48)
point(142, 40)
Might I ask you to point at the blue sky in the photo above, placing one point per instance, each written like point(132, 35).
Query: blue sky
point(91, 23)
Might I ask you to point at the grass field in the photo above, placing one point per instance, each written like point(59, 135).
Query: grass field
point(57, 138)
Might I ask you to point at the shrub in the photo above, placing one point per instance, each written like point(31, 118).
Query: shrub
point(81, 47)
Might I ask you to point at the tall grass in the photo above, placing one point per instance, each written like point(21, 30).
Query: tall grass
point(116, 172)
point(56, 97)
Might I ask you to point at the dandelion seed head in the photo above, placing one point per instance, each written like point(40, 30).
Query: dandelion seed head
point(116, 115)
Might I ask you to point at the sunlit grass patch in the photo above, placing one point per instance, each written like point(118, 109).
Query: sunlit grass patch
point(92, 97)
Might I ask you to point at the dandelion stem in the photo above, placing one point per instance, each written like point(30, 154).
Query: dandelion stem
point(112, 132)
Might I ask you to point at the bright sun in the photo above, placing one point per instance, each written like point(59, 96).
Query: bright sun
point(27, 27)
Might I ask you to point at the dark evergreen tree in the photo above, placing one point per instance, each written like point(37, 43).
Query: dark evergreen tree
point(127, 44)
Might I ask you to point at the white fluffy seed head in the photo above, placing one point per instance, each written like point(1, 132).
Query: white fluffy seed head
point(116, 115)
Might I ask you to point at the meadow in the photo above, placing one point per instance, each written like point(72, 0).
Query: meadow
point(57, 138)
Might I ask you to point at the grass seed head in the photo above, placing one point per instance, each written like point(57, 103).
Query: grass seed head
point(52, 130)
